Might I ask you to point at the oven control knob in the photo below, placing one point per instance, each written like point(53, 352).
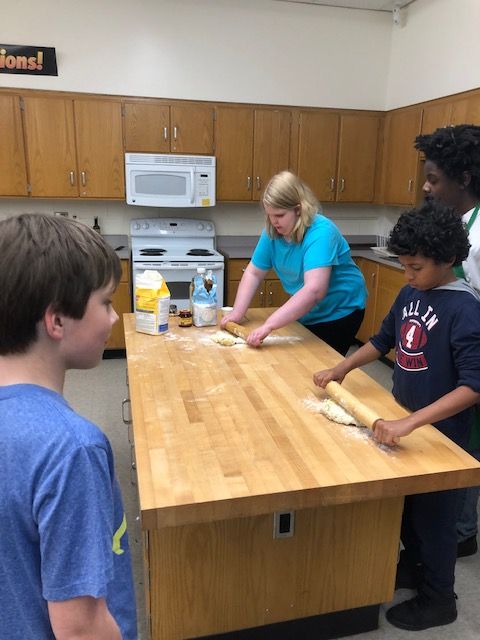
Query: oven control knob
point(208, 227)
point(145, 225)
point(136, 226)
point(200, 226)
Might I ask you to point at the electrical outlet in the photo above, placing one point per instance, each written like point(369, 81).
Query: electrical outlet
point(64, 214)
point(283, 524)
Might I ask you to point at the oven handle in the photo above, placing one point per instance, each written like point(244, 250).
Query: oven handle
point(178, 267)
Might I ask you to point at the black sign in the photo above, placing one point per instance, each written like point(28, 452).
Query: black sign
point(33, 61)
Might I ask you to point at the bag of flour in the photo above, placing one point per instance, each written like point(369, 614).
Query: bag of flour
point(204, 298)
point(152, 303)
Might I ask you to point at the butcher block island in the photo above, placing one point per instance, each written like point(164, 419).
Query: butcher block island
point(260, 517)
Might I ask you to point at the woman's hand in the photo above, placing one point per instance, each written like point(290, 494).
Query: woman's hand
point(233, 316)
point(257, 336)
point(323, 377)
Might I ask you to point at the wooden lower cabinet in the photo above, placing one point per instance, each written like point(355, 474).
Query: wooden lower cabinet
point(215, 577)
point(122, 303)
point(383, 284)
point(269, 294)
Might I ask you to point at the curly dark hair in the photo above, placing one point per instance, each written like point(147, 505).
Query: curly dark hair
point(434, 231)
point(454, 150)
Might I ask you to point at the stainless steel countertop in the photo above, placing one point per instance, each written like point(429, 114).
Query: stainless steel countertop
point(120, 244)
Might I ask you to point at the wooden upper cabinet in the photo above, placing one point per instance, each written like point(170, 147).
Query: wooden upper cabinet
point(271, 146)
point(400, 156)
point(357, 158)
point(436, 116)
point(98, 129)
point(50, 138)
point(160, 128)
point(234, 152)
point(13, 173)
point(74, 148)
point(251, 145)
point(466, 111)
point(317, 152)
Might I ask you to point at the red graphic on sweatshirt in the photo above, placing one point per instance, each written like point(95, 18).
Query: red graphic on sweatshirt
point(412, 339)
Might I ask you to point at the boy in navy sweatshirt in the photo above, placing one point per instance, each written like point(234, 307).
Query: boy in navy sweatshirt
point(434, 326)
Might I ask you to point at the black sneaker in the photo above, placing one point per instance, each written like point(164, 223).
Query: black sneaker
point(467, 547)
point(422, 612)
point(409, 576)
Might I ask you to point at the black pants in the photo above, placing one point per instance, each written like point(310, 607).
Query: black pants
point(429, 535)
point(339, 334)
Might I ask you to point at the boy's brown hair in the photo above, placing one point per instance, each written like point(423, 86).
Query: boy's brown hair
point(48, 260)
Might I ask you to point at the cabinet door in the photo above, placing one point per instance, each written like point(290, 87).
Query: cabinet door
point(369, 270)
point(122, 303)
point(234, 152)
point(401, 157)
point(357, 158)
point(50, 140)
point(436, 116)
point(13, 173)
point(191, 128)
point(275, 295)
point(98, 128)
point(147, 127)
point(317, 152)
point(466, 111)
point(390, 281)
point(271, 146)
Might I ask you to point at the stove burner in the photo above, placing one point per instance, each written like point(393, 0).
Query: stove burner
point(199, 252)
point(152, 252)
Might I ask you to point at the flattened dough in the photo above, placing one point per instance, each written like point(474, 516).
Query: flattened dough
point(333, 411)
point(224, 338)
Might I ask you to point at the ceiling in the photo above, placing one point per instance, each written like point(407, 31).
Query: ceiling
point(371, 5)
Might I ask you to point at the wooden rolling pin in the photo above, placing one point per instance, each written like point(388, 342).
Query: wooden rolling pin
point(236, 329)
point(349, 402)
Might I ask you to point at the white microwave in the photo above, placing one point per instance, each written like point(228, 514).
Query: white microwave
point(155, 180)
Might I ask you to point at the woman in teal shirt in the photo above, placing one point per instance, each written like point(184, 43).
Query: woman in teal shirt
point(313, 263)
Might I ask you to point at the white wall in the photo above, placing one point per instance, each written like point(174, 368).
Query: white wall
point(435, 53)
point(234, 50)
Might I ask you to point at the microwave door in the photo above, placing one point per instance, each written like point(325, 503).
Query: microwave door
point(162, 186)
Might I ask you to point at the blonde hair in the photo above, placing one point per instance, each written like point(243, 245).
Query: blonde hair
point(286, 191)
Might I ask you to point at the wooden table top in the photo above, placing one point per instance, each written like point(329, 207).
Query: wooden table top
point(223, 432)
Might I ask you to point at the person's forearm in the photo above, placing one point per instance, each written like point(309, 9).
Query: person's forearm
point(83, 618)
point(448, 405)
point(246, 290)
point(293, 309)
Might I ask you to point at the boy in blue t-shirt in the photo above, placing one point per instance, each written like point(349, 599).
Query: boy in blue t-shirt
point(434, 326)
point(64, 554)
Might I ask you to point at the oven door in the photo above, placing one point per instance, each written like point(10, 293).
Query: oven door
point(178, 276)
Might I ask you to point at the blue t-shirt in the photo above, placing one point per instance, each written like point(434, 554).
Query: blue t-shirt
point(62, 523)
point(436, 336)
point(322, 246)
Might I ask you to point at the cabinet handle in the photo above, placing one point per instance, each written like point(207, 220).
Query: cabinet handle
point(83, 175)
point(259, 183)
point(125, 402)
point(165, 133)
point(332, 184)
point(410, 185)
point(342, 184)
point(72, 178)
point(249, 183)
point(174, 133)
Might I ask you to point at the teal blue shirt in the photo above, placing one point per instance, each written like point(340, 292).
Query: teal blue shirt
point(322, 246)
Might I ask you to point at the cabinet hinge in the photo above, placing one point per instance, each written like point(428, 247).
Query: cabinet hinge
point(22, 104)
point(123, 110)
point(29, 188)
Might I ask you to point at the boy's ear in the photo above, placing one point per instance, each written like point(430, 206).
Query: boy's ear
point(466, 179)
point(54, 323)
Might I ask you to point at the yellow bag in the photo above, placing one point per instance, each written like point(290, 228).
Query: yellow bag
point(152, 303)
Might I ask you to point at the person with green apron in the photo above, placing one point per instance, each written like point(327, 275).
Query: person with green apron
point(452, 176)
